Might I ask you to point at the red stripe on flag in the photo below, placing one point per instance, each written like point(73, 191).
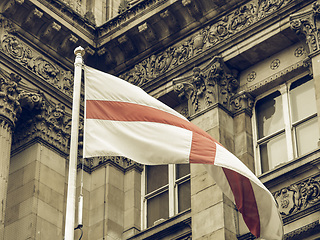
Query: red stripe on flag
point(203, 145)
point(245, 200)
point(203, 150)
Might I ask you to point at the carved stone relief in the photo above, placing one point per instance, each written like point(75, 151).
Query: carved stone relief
point(29, 58)
point(42, 119)
point(307, 24)
point(31, 115)
point(123, 163)
point(206, 38)
point(298, 196)
point(214, 84)
point(242, 101)
point(9, 95)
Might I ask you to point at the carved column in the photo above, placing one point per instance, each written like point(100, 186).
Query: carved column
point(9, 109)
point(307, 25)
point(209, 92)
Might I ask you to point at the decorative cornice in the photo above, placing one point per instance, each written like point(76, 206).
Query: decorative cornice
point(125, 16)
point(305, 231)
point(213, 84)
point(307, 24)
point(208, 37)
point(32, 60)
point(122, 163)
point(300, 233)
point(306, 63)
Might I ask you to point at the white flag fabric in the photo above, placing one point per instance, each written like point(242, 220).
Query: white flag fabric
point(123, 120)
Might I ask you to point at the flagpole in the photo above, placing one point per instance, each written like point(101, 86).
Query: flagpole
point(71, 195)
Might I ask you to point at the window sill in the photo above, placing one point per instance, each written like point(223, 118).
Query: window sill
point(175, 227)
point(290, 169)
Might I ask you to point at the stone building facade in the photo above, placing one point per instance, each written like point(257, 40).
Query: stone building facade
point(246, 71)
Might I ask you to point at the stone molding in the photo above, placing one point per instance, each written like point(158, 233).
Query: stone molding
point(303, 64)
point(213, 84)
point(227, 26)
point(305, 231)
point(122, 163)
point(298, 234)
point(128, 14)
point(302, 196)
point(307, 24)
point(12, 46)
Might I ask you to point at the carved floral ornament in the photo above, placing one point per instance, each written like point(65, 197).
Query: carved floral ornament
point(31, 115)
point(13, 47)
point(9, 95)
point(42, 119)
point(123, 163)
point(298, 196)
point(214, 84)
point(308, 23)
point(208, 37)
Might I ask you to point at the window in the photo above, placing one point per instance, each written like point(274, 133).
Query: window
point(167, 192)
point(286, 124)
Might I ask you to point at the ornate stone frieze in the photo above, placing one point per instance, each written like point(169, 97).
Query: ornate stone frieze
point(42, 119)
point(9, 97)
point(298, 196)
point(214, 84)
point(307, 24)
point(29, 58)
point(122, 163)
point(208, 37)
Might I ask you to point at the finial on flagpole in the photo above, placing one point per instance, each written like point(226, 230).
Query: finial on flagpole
point(79, 51)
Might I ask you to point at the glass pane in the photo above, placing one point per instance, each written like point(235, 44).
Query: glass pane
point(303, 100)
point(157, 208)
point(182, 170)
point(273, 152)
point(307, 136)
point(184, 196)
point(269, 115)
point(157, 176)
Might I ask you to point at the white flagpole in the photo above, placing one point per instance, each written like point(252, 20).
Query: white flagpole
point(71, 197)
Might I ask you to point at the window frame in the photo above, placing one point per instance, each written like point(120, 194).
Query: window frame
point(289, 126)
point(171, 187)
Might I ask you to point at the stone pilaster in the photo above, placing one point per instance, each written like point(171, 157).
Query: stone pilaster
point(210, 92)
point(9, 110)
point(242, 105)
point(307, 24)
